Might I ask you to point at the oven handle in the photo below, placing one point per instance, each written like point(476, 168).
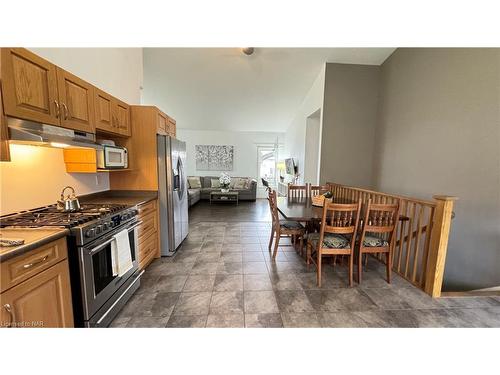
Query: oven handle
point(107, 242)
point(119, 298)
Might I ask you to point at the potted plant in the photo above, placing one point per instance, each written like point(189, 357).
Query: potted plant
point(224, 181)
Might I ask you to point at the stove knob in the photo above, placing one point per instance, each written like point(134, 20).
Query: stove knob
point(105, 226)
point(90, 232)
point(123, 217)
point(98, 229)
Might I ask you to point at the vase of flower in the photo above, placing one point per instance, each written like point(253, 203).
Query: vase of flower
point(224, 181)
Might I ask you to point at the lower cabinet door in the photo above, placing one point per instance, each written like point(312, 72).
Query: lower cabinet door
point(43, 300)
point(148, 250)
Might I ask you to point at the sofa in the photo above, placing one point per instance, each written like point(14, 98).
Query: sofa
point(199, 187)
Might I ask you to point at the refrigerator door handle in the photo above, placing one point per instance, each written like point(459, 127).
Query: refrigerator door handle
point(182, 184)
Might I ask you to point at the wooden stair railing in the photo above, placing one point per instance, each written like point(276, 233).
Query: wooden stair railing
point(419, 252)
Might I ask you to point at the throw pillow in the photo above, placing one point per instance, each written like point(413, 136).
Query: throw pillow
point(248, 185)
point(194, 182)
point(215, 183)
point(234, 180)
point(241, 183)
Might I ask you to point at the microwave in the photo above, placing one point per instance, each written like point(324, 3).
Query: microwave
point(112, 157)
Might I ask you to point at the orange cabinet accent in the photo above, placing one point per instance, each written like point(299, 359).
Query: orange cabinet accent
point(80, 160)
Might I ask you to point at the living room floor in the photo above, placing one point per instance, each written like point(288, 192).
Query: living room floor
point(257, 211)
point(223, 276)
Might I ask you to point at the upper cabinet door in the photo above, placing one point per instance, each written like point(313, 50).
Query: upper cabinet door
point(104, 119)
point(4, 134)
point(122, 115)
point(29, 86)
point(162, 124)
point(172, 127)
point(76, 98)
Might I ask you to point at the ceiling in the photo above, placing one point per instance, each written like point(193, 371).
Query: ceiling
point(223, 89)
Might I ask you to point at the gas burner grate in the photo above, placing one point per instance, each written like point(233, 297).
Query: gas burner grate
point(51, 216)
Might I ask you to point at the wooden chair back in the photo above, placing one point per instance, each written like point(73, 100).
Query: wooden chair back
point(298, 191)
point(380, 220)
point(274, 208)
point(342, 219)
point(315, 190)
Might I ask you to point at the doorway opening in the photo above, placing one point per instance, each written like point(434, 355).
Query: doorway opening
point(266, 167)
point(312, 147)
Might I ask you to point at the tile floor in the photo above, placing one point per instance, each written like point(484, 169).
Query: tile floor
point(223, 276)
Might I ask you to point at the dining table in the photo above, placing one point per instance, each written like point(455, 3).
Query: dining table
point(301, 208)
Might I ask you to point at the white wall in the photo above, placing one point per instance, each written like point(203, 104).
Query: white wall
point(36, 175)
point(313, 144)
point(296, 132)
point(245, 148)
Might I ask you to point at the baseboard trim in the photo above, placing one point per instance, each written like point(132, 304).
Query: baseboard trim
point(472, 293)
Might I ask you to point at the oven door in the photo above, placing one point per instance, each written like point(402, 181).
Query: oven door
point(96, 270)
point(115, 157)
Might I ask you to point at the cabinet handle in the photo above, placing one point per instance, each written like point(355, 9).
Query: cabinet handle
point(66, 111)
point(9, 309)
point(38, 261)
point(58, 108)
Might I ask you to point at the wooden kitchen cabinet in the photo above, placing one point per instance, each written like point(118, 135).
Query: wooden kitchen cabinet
point(4, 133)
point(147, 233)
point(41, 301)
point(122, 115)
point(145, 123)
point(104, 111)
point(29, 86)
point(76, 98)
point(171, 131)
point(166, 124)
point(162, 123)
point(36, 289)
point(37, 90)
point(112, 115)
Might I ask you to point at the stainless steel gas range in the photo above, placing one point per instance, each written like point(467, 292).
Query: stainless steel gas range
point(98, 292)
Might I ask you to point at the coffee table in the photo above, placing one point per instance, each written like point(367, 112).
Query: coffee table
point(219, 196)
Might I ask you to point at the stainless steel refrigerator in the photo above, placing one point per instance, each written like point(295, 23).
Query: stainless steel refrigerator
point(173, 195)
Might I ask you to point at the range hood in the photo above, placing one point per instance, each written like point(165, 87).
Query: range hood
point(34, 133)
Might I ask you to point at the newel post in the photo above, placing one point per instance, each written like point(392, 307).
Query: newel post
point(441, 224)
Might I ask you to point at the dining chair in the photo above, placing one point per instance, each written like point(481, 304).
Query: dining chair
point(283, 228)
point(378, 234)
point(298, 191)
point(337, 235)
point(315, 190)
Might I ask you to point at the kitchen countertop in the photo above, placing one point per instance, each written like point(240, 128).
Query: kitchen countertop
point(129, 197)
point(33, 238)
